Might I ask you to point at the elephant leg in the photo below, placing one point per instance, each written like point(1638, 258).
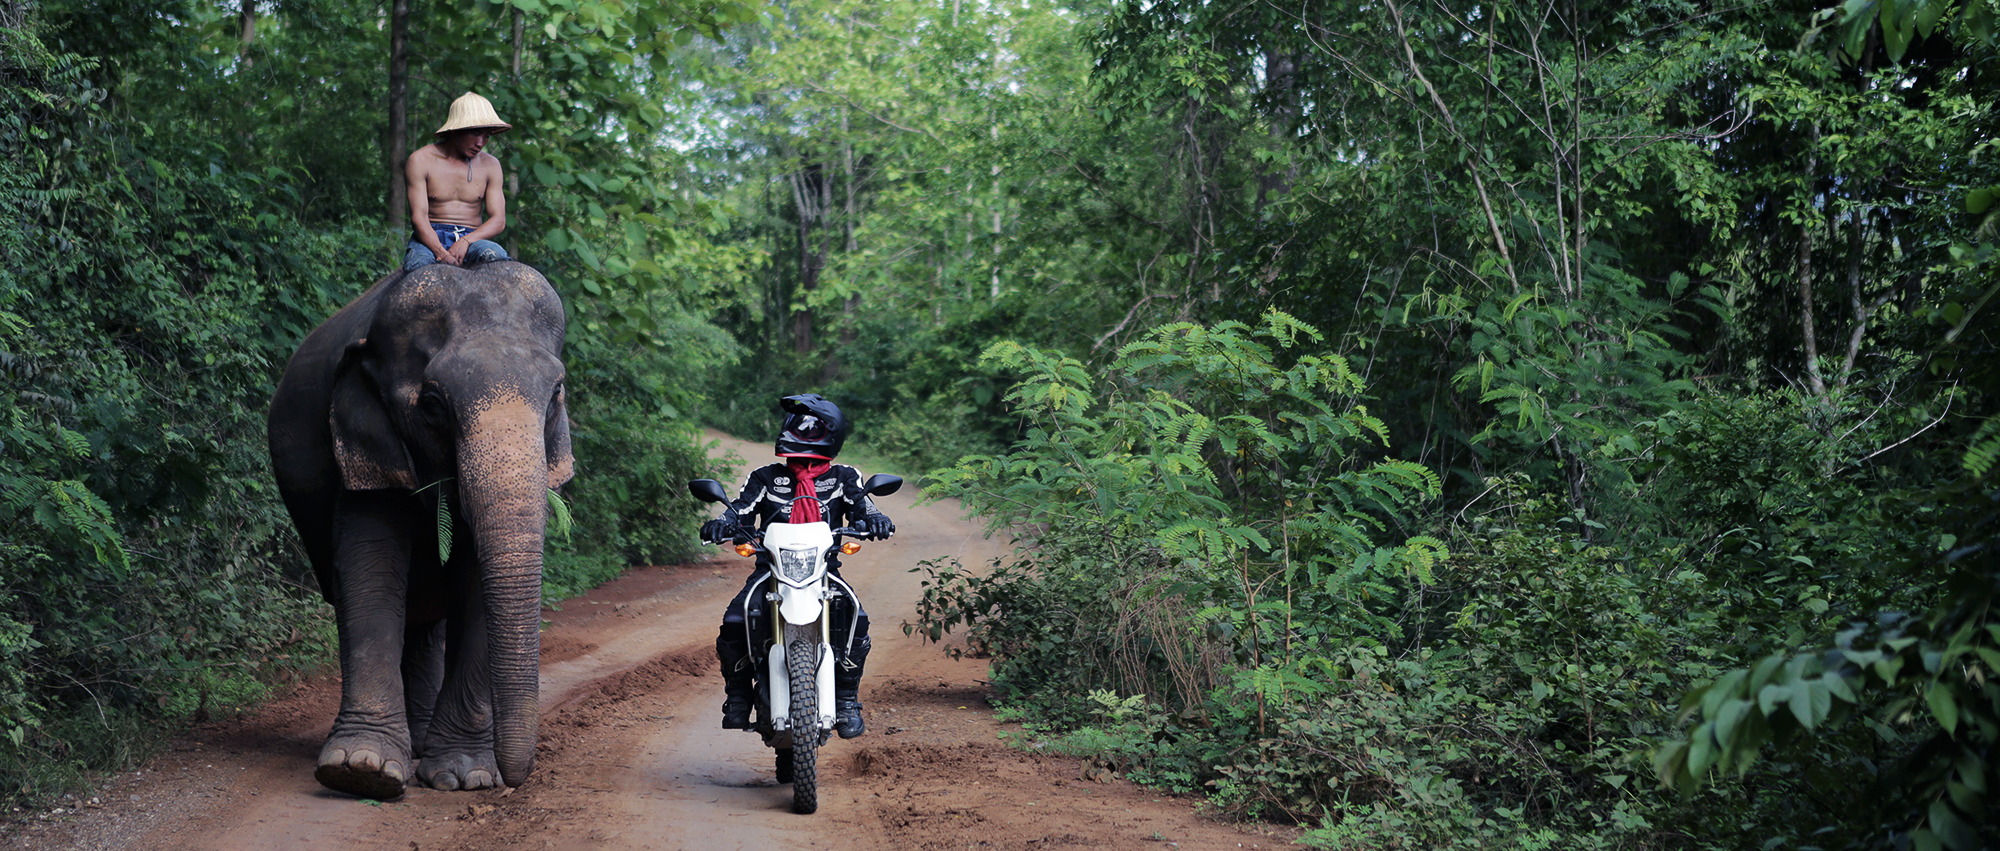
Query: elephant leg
point(458, 747)
point(423, 677)
point(368, 752)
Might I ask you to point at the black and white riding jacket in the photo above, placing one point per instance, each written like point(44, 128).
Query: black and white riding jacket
point(768, 491)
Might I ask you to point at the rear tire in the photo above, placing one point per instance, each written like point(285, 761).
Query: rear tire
point(801, 662)
point(784, 765)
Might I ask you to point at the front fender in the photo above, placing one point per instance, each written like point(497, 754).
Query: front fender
point(799, 606)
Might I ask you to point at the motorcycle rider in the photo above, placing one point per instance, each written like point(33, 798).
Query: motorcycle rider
point(809, 440)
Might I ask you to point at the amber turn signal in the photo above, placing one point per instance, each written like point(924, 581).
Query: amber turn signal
point(745, 550)
point(849, 548)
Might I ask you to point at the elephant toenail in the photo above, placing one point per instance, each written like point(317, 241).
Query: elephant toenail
point(479, 779)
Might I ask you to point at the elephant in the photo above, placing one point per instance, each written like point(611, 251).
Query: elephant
point(442, 384)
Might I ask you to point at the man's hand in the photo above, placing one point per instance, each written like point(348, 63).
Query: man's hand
point(877, 526)
point(455, 255)
point(721, 530)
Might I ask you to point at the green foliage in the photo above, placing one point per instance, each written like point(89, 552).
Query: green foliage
point(1776, 493)
point(1214, 484)
point(635, 443)
point(145, 301)
point(1924, 687)
point(1984, 452)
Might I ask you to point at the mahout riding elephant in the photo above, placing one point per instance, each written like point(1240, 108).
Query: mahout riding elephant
point(443, 383)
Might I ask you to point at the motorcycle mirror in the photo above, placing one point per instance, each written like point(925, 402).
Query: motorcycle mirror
point(883, 484)
point(708, 490)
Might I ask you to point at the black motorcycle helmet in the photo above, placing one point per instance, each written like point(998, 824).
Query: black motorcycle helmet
point(814, 428)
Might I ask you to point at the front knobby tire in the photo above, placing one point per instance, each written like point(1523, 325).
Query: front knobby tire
point(801, 660)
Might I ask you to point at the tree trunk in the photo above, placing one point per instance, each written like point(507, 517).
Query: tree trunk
point(849, 218)
point(399, 104)
point(520, 40)
point(1280, 76)
point(1811, 341)
point(1806, 223)
point(811, 196)
point(1862, 311)
point(520, 28)
point(247, 16)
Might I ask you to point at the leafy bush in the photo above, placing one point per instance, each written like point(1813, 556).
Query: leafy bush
point(635, 448)
point(1212, 498)
point(1773, 492)
point(1204, 605)
point(1903, 707)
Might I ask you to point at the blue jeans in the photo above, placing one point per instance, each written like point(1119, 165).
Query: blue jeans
point(482, 251)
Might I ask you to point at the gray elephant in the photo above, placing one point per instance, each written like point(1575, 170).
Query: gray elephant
point(442, 383)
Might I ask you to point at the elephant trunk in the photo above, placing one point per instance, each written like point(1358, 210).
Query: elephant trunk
point(503, 488)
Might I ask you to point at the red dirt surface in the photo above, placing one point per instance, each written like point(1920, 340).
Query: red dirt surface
point(631, 755)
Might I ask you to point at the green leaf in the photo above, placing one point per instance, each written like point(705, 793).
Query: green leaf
point(1943, 705)
point(1978, 200)
point(1955, 833)
point(1811, 702)
point(1771, 696)
point(560, 521)
point(443, 526)
point(1701, 752)
point(1729, 723)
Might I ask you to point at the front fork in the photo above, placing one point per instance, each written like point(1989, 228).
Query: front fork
point(820, 635)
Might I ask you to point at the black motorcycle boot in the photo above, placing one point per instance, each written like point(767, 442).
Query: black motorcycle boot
point(847, 690)
point(739, 691)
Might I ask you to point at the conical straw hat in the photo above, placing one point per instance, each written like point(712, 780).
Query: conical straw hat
point(471, 111)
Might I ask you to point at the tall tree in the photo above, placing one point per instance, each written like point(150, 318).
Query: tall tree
point(399, 118)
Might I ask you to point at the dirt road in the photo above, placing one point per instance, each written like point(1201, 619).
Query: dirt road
point(631, 755)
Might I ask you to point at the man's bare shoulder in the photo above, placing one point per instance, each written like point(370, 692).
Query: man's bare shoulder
point(428, 157)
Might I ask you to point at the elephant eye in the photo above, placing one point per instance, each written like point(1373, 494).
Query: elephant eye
point(432, 407)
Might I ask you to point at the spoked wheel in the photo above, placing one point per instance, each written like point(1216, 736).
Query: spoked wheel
point(801, 658)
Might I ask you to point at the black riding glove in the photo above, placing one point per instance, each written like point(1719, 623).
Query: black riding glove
point(877, 526)
point(721, 529)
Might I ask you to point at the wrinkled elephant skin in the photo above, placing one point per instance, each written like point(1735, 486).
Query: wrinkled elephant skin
point(440, 384)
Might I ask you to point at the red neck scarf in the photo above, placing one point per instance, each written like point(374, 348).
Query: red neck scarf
point(805, 500)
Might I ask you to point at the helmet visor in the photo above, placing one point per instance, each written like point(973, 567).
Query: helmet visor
point(806, 429)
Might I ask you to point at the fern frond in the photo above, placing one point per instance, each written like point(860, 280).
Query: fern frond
point(443, 527)
point(560, 521)
point(75, 444)
point(1984, 452)
point(1420, 555)
point(88, 517)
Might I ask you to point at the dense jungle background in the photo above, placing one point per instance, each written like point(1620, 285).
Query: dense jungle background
point(1437, 424)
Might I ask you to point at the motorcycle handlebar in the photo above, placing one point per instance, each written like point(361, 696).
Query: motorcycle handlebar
point(856, 534)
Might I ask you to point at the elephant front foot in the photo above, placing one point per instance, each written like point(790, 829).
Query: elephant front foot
point(363, 765)
point(460, 771)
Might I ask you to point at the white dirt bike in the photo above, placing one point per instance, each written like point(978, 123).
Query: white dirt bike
point(792, 654)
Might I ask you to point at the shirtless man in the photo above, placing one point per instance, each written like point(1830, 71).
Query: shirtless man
point(450, 180)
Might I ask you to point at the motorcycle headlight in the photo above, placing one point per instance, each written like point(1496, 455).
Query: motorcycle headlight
point(797, 565)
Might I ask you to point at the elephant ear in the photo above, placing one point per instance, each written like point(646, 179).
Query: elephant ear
point(371, 454)
point(555, 440)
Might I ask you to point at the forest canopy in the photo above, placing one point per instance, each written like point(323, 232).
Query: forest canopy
point(1473, 424)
